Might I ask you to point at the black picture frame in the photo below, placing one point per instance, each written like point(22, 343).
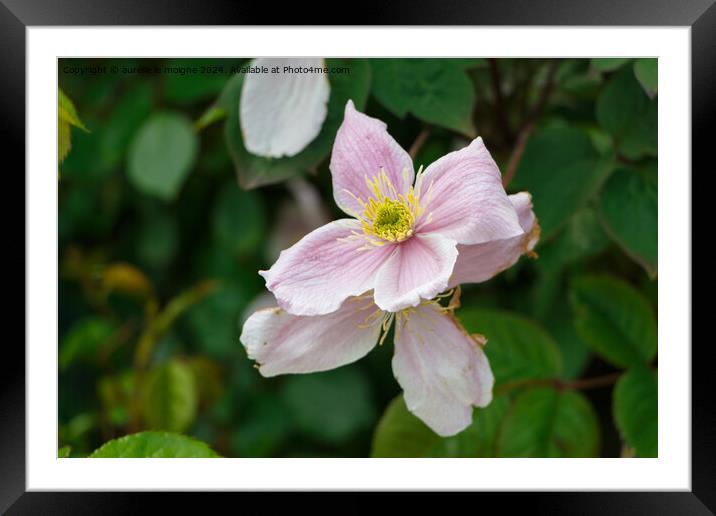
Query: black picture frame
point(17, 15)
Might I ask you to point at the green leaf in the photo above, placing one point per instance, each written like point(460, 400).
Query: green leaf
point(480, 438)
point(170, 397)
point(84, 340)
point(614, 319)
point(64, 452)
point(239, 219)
point(581, 237)
point(254, 171)
point(437, 91)
point(625, 112)
point(162, 154)
point(330, 406)
point(66, 116)
point(609, 64)
point(125, 120)
point(636, 411)
point(64, 139)
point(154, 445)
point(577, 81)
point(264, 427)
point(562, 170)
point(66, 111)
point(546, 423)
point(647, 72)
point(575, 353)
point(629, 208)
point(517, 348)
point(400, 434)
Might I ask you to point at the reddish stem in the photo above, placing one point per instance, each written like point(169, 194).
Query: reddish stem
point(419, 141)
point(562, 385)
point(528, 125)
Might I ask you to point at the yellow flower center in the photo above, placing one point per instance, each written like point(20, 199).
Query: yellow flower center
point(389, 216)
point(393, 221)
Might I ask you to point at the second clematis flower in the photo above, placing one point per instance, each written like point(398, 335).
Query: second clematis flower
point(407, 230)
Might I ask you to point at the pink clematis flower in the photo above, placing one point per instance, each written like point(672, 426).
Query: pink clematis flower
point(443, 371)
point(407, 230)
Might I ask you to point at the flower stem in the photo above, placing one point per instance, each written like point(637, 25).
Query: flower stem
point(529, 124)
point(499, 99)
point(419, 141)
point(562, 385)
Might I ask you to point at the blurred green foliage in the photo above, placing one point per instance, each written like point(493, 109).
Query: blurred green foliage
point(162, 229)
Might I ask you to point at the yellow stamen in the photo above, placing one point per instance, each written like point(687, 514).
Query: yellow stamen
point(388, 216)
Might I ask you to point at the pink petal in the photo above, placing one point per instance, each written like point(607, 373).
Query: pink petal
point(442, 370)
point(418, 269)
point(320, 271)
point(467, 201)
point(477, 263)
point(362, 147)
point(283, 343)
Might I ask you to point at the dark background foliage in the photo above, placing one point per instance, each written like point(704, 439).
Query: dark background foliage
point(165, 219)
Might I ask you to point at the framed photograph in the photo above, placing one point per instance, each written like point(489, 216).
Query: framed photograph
point(453, 255)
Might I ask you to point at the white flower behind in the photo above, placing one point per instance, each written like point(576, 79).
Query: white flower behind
point(281, 113)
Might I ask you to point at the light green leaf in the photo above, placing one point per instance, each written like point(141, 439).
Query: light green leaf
point(64, 139)
point(254, 171)
point(170, 398)
point(66, 117)
point(318, 404)
point(614, 319)
point(66, 111)
point(517, 348)
point(84, 340)
point(64, 452)
point(437, 91)
point(239, 219)
point(154, 445)
point(544, 422)
point(609, 64)
point(562, 170)
point(636, 411)
point(625, 111)
point(629, 208)
point(647, 72)
point(162, 154)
